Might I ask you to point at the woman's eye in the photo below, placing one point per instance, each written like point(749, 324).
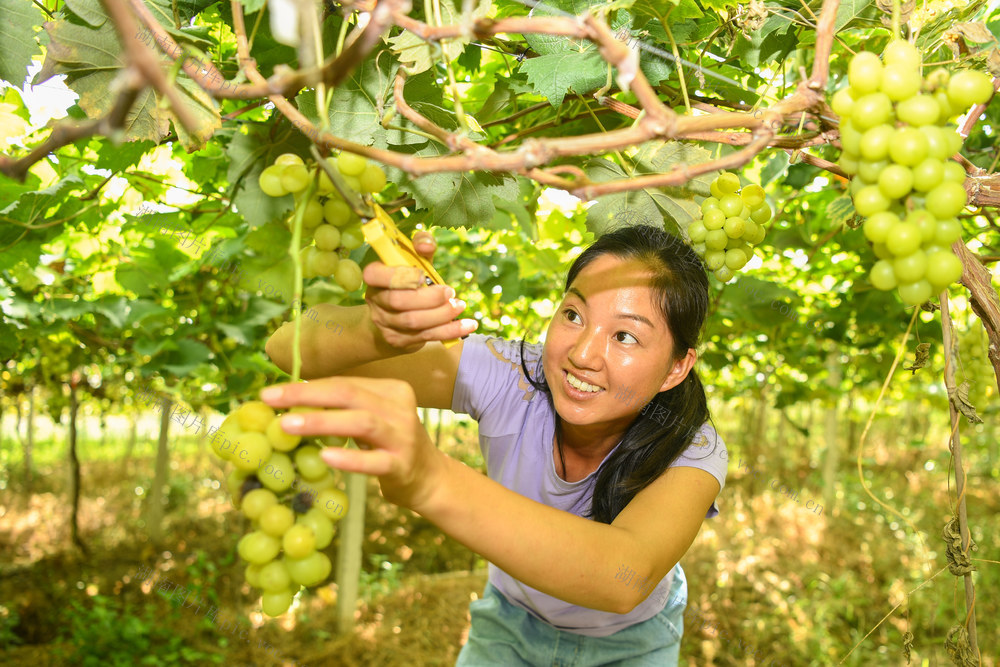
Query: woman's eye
point(619, 335)
point(571, 314)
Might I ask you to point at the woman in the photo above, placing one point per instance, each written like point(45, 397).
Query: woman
point(597, 482)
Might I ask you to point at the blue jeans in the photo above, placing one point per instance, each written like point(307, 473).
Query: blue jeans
point(504, 634)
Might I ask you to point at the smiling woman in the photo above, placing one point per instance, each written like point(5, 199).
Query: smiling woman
point(578, 480)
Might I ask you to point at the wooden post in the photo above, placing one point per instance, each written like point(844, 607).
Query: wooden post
point(352, 535)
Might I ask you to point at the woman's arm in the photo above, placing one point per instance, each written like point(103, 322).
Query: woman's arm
point(566, 556)
point(556, 552)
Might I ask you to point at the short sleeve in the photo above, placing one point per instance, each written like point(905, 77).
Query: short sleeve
point(490, 380)
point(706, 452)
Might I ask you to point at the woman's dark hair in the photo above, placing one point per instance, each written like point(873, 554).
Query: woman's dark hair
point(668, 423)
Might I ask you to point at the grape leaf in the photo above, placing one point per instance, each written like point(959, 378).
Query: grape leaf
point(18, 19)
point(553, 75)
point(119, 157)
point(419, 55)
point(250, 153)
point(850, 10)
point(677, 203)
point(620, 208)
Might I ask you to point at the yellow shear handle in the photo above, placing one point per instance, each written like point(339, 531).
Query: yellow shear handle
point(395, 249)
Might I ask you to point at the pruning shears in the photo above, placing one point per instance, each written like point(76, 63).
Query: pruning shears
point(392, 246)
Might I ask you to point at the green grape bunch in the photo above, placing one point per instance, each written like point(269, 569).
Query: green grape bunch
point(731, 225)
point(896, 146)
point(283, 486)
point(330, 228)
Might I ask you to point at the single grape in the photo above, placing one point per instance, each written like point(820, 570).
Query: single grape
point(327, 237)
point(937, 143)
point(313, 215)
point(902, 53)
point(288, 159)
point(914, 294)
point(696, 231)
point(275, 520)
point(754, 233)
point(946, 200)
point(925, 222)
point(946, 109)
point(733, 243)
point(731, 205)
point(351, 164)
point(281, 441)
point(735, 227)
point(943, 269)
point(900, 82)
point(337, 212)
point(325, 263)
point(716, 239)
point(348, 275)
point(882, 276)
point(875, 142)
point(909, 147)
point(709, 204)
point(351, 238)
point(333, 502)
point(258, 547)
point(869, 172)
point(270, 181)
point(876, 227)
point(927, 175)
point(353, 182)
point(320, 525)
point(252, 574)
point(298, 541)
point(954, 172)
point(953, 138)
point(848, 164)
point(699, 248)
point(716, 192)
point(724, 273)
point(256, 501)
point(752, 195)
point(276, 603)
point(309, 463)
point(251, 450)
point(881, 251)
point(910, 268)
point(842, 102)
point(305, 257)
point(254, 416)
point(736, 259)
point(303, 501)
point(865, 72)
point(870, 200)
point(309, 571)
point(714, 219)
point(326, 186)
point(969, 87)
point(728, 182)
point(895, 181)
point(761, 214)
point(295, 178)
point(274, 577)
point(919, 110)
point(715, 259)
point(277, 472)
point(223, 441)
point(850, 138)
point(948, 231)
point(372, 179)
point(904, 238)
point(871, 110)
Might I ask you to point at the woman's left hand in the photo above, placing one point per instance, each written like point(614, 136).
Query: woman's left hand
point(381, 416)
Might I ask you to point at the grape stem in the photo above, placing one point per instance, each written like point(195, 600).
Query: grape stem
point(300, 210)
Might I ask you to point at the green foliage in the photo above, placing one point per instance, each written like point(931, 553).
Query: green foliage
point(103, 633)
point(383, 580)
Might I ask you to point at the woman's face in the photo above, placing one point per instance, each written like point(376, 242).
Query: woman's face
point(608, 350)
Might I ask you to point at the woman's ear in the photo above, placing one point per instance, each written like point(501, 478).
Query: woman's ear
point(680, 370)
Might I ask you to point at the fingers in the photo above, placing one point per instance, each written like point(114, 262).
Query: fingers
point(375, 462)
point(424, 244)
point(420, 322)
point(345, 393)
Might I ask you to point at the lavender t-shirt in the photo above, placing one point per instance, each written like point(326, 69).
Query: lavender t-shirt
point(516, 429)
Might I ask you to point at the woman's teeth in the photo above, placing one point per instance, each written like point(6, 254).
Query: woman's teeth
point(580, 384)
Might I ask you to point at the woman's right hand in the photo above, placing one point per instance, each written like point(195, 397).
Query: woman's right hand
point(405, 311)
